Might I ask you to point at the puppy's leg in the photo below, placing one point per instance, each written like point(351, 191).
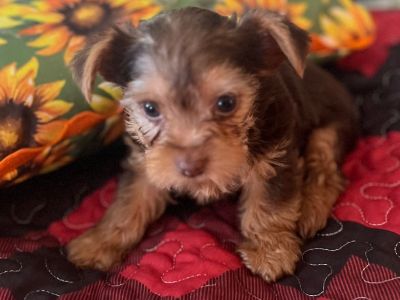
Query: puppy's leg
point(323, 182)
point(271, 247)
point(138, 203)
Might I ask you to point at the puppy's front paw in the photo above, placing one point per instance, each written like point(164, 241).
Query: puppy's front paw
point(310, 223)
point(272, 257)
point(91, 250)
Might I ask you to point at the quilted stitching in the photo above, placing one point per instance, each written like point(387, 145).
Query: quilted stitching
point(85, 216)
point(183, 261)
point(347, 260)
point(373, 196)
point(360, 288)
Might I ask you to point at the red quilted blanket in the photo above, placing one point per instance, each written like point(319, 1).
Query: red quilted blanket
point(189, 253)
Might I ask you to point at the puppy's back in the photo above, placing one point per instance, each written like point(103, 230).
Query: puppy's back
point(323, 101)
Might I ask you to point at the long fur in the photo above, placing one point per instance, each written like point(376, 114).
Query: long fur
point(281, 146)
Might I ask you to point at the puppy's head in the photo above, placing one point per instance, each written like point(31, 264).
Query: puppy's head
point(191, 78)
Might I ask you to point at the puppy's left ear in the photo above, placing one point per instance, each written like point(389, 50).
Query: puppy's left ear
point(280, 39)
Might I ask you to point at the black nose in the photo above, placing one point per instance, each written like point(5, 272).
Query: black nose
point(190, 166)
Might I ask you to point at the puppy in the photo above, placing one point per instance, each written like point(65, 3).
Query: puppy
point(215, 106)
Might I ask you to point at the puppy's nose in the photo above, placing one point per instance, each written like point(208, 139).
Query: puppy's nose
point(190, 166)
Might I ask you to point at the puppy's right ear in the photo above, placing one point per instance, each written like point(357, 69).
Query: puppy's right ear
point(279, 38)
point(106, 53)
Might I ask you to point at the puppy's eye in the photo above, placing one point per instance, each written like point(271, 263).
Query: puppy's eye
point(226, 104)
point(151, 109)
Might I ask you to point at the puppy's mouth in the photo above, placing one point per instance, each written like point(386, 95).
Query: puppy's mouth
point(211, 181)
point(201, 179)
point(198, 172)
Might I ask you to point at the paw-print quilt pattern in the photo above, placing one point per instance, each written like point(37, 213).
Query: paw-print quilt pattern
point(190, 253)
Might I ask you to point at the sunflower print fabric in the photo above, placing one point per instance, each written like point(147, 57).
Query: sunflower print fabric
point(45, 122)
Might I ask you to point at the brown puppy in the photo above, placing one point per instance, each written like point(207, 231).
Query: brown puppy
point(214, 106)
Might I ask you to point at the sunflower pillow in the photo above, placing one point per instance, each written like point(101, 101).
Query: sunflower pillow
point(44, 120)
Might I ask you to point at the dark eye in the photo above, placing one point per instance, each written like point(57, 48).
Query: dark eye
point(226, 104)
point(151, 109)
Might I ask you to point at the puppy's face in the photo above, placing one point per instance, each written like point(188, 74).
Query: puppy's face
point(194, 135)
point(192, 81)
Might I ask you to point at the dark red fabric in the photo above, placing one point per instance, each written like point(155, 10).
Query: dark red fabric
point(85, 216)
point(178, 258)
point(5, 294)
point(372, 197)
point(369, 61)
point(29, 243)
point(190, 251)
point(361, 280)
point(182, 262)
point(195, 258)
point(232, 285)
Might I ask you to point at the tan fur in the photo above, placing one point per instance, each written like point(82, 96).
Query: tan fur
point(272, 247)
point(324, 181)
point(137, 205)
point(227, 165)
point(223, 79)
point(91, 65)
point(281, 33)
point(194, 131)
point(265, 168)
point(183, 63)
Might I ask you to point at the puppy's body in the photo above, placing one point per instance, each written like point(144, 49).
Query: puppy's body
point(214, 106)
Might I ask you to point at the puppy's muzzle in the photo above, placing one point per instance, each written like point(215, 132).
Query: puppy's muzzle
point(190, 163)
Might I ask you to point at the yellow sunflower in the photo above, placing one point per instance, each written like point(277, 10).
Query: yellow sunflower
point(114, 126)
point(51, 143)
point(9, 11)
point(346, 28)
point(141, 10)
point(107, 105)
point(66, 24)
point(294, 11)
point(28, 112)
point(47, 159)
